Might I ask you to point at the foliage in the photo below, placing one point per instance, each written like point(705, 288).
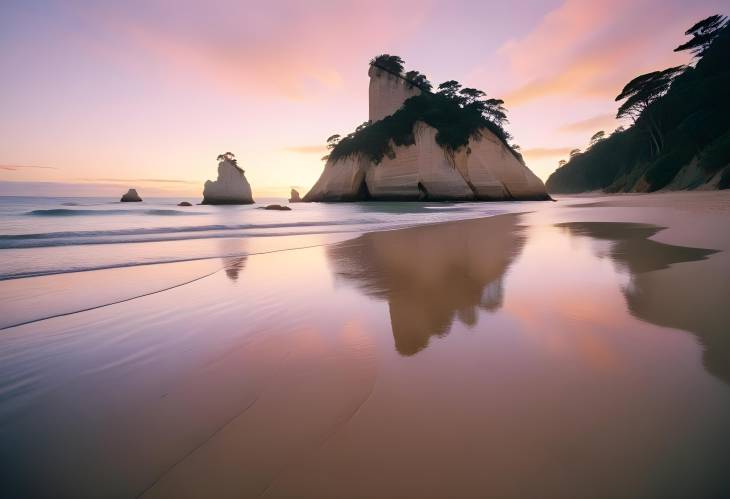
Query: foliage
point(597, 137)
point(716, 155)
point(419, 80)
point(391, 63)
point(679, 114)
point(228, 156)
point(458, 114)
point(703, 34)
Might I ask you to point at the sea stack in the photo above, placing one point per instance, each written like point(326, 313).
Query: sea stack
point(294, 196)
point(418, 168)
point(231, 186)
point(131, 196)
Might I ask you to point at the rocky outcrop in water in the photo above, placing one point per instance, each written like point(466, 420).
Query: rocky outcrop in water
point(294, 196)
point(131, 196)
point(231, 186)
point(485, 170)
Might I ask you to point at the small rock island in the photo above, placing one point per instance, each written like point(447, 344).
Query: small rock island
point(131, 196)
point(231, 186)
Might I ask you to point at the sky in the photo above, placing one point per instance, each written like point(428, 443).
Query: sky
point(97, 97)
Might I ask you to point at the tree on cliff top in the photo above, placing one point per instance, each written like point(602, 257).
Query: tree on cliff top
point(419, 80)
point(231, 158)
point(391, 63)
point(703, 34)
point(638, 96)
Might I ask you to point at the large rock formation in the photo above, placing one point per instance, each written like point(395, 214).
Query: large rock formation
point(231, 186)
point(131, 196)
point(484, 170)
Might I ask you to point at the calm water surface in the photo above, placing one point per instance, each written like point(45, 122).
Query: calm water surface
point(501, 357)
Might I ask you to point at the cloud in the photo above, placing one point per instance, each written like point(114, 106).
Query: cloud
point(311, 149)
point(21, 167)
point(590, 49)
point(546, 152)
point(143, 180)
point(291, 50)
point(592, 124)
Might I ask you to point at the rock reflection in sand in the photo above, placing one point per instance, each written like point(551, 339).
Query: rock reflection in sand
point(666, 294)
point(431, 275)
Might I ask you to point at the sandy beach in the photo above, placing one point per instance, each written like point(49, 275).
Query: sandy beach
point(570, 349)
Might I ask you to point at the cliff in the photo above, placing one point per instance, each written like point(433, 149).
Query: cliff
point(417, 167)
point(231, 186)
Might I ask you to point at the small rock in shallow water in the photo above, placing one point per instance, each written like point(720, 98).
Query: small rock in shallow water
point(275, 207)
point(184, 203)
point(131, 197)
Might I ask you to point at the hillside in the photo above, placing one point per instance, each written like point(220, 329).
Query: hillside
point(680, 136)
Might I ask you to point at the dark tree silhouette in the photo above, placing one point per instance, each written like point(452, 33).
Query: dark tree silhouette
point(391, 63)
point(419, 80)
point(574, 152)
point(449, 89)
point(638, 96)
point(333, 140)
point(703, 34)
point(597, 137)
point(472, 95)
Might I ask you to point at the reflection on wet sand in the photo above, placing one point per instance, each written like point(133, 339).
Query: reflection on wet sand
point(431, 275)
point(692, 298)
point(233, 266)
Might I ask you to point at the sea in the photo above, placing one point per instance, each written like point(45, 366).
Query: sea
point(56, 235)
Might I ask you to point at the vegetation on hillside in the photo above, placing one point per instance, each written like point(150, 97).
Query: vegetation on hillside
point(456, 113)
point(680, 116)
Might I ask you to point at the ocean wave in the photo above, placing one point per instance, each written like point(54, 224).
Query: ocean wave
point(156, 234)
point(65, 212)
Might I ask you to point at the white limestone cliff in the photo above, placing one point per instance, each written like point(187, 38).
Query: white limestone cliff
point(486, 169)
point(387, 93)
point(231, 186)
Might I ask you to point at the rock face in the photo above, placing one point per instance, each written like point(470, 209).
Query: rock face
point(231, 186)
point(131, 197)
point(387, 93)
point(484, 170)
point(294, 196)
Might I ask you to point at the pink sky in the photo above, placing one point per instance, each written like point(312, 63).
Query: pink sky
point(98, 97)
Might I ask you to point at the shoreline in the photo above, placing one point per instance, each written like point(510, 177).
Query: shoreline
point(275, 375)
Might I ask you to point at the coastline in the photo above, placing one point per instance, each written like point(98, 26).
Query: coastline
point(273, 374)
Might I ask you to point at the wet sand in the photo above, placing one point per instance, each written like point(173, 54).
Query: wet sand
point(578, 349)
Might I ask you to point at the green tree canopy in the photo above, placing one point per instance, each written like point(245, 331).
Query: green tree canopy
point(391, 63)
point(419, 80)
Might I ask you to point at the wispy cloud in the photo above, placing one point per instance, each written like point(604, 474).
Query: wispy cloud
point(312, 149)
point(545, 152)
point(590, 49)
point(605, 122)
point(286, 50)
point(141, 180)
point(23, 167)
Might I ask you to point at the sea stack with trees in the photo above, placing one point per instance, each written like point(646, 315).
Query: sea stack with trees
point(679, 136)
point(231, 186)
point(421, 143)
